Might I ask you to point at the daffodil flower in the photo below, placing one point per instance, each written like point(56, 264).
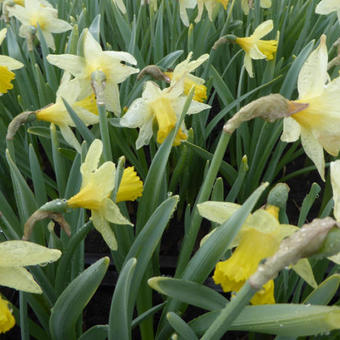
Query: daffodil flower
point(256, 48)
point(318, 124)
point(38, 12)
point(259, 237)
point(95, 59)
point(15, 255)
point(183, 70)
point(263, 3)
point(163, 106)
point(57, 113)
point(183, 5)
point(328, 6)
point(211, 5)
point(96, 189)
point(7, 64)
point(7, 320)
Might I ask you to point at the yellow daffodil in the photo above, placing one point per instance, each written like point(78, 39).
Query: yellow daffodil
point(111, 63)
point(14, 255)
point(37, 12)
point(211, 5)
point(256, 48)
point(7, 64)
point(183, 5)
point(96, 188)
point(163, 106)
point(328, 6)
point(183, 70)
point(57, 113)
point(318, 124)
point(7, 320)
point(263, 3)
point(260, 237)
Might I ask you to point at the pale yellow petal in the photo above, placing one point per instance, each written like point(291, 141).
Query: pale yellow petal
point(304, 270)
point(3, 33)
point(327, 6)
point(335, 181)
point(335, 258)
point(58, 26)
point(92, 158)
point(313, 74)
point(68, 62)
point(263, 29)
point(313, 150)
point(111, 97)
point(248, 65)
point(92, 48)
point(10, 63)
point(291, 130)
point(217, 212)
point(23, 253)
point(18, 278)
point(105, 230)
point(69, 137)
point(112, 213)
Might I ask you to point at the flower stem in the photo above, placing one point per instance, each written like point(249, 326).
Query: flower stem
point(229, 313)
point(191, 235)
point(104, 132)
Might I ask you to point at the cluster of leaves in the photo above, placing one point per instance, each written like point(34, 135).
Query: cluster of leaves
point(40, 166)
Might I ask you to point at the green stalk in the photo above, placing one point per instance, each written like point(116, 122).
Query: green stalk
point(230, 312)
point(190, 237)
point(24, 329)
point(104, 132)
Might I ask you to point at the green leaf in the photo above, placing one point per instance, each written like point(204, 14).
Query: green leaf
point(119, 323)
point(169, 60)
point(188, 292)
point(23, 195)
point(73, 300)
point(290, 81)
point(181, 327)
point(148, 239)
point(98, 332)
point(280, 319)
point(325, 292)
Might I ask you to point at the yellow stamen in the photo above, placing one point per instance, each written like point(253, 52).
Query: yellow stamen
point(131, 187)
point(6, 76)
point(7, 320)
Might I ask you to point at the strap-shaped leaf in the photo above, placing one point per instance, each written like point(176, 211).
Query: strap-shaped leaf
point(73, 300)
